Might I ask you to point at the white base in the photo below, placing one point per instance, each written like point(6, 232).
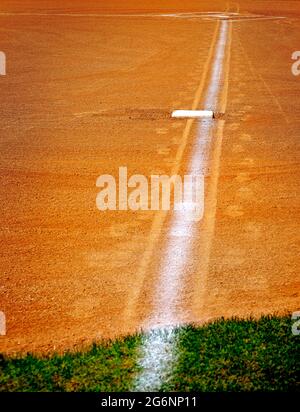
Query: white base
point(193, 113)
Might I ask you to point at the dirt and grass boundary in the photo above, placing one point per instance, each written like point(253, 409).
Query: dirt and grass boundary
point(225, 355)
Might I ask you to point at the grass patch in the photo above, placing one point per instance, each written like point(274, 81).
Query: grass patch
point(226, 355)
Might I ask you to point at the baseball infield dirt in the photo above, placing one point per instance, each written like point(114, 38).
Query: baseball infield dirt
point(88, 93)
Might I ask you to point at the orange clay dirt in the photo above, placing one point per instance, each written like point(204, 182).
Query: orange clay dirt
point(87, 94)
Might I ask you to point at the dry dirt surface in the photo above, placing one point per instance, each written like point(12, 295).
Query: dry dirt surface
point(85, 94)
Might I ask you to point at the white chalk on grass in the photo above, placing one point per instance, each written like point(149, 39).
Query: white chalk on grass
point(193, 113)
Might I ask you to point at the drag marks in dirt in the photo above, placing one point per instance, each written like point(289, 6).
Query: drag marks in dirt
point(242, 177)
point(243, 192)
point(245, 137)
point(237, 148)
point(256, 74)
point(234, 211)
point(162, 130)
